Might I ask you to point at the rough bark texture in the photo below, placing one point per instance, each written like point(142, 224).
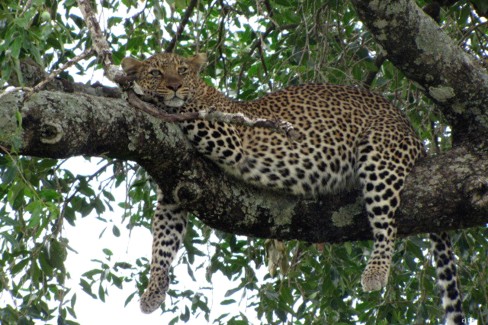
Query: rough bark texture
point(425, 54)
point(444, 192)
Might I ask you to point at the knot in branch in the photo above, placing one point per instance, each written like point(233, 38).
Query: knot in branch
point(186, 192)
point(51, 132)
point(476, 188)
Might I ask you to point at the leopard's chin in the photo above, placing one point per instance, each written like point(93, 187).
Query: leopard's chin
point(174, 102)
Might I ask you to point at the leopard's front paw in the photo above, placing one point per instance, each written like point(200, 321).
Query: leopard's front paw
point(374, 278)
point(155, 293)
point(150, 301)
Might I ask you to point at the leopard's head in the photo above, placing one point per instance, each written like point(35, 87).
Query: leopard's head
point(166, 77)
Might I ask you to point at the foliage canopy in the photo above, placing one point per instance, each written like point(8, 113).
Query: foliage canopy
point(254, 47)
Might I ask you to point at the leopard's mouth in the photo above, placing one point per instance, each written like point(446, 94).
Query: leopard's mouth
point(173, 99)
point(174, 102)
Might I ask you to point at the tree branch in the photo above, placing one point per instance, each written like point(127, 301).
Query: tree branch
point(428, 56)
point(100, 44)
point(181, 27)
point(444, 192)
point(52, 75)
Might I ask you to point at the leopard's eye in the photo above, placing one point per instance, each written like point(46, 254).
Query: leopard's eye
point(155, 73)
point(182, 70)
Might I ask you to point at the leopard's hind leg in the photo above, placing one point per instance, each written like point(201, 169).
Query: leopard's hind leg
point(381, 203)
point(382, 169)
point(168, 227)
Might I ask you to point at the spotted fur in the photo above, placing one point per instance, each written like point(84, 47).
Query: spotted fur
point(447, 278)
point(352, 137)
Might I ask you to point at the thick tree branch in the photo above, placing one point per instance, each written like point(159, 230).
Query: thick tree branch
point(445, 192)
point(425, 54)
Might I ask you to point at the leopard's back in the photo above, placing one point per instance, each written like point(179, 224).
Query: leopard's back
point(338, 125)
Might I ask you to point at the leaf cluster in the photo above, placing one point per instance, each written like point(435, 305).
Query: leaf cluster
point(254, 47)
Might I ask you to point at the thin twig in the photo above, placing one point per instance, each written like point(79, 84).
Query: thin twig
point(278, 126)
point(263, 63)
point(26, 7)
point(181, 27)
point(85, 54)
point(378, 62)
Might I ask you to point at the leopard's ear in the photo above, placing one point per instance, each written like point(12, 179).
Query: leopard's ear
point(198, 60)
point(131, 66)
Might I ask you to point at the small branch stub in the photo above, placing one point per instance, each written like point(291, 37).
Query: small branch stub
point(476, 188)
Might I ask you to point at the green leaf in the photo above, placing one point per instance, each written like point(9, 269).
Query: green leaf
point(50, 195)
point(16, 195)
point(116, 231)
point(227, 302)
point(19, 266)
point(44, 263)
point(185, 316)
point(57, 254)
point(9, 175)
point(101, 293)
point(122, 265)
point(107, 252)
point(91, 273)
point(35, 208)
point(87, 288)
point(230, 292)
point(129, 299)
point(15, 47)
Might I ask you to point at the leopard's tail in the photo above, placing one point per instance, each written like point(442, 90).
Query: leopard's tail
point(445, 264)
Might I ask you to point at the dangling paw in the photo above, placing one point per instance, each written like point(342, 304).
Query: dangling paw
point(374, 278)
point(155, 293)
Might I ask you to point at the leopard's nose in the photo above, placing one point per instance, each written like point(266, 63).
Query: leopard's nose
point(174, 86)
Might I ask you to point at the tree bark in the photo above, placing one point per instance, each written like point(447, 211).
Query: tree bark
point(418, 47)
point(444, 192)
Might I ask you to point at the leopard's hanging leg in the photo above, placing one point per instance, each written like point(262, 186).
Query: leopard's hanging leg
point(447, 278)
point(382, 175)
point(168, 227)
point(381, 204)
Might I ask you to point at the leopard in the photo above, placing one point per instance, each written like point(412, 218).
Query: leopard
point(351, 137)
